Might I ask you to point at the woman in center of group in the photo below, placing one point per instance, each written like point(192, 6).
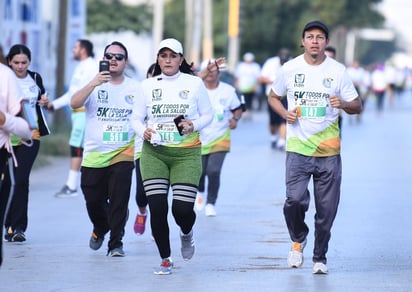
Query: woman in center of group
point(171, 152)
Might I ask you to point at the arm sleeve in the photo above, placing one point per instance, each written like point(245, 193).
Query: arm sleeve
point(62, 101)
point(138, 116)
point(205, 109)
point(279, 85)
point(17, 126)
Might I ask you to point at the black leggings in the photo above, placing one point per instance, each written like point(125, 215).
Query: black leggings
point(211, 168)
point(141, 199)
point(182, 211)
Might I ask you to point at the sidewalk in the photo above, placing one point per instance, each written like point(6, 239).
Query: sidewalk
point(244, 247)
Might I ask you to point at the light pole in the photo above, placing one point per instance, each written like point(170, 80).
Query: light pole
point(233, 32)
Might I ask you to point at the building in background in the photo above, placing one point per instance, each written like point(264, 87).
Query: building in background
point(36, 24)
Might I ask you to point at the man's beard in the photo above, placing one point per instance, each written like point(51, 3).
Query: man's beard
point(314, 55)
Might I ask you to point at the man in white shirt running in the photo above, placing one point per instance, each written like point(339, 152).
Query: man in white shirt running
point(84, 72)
point(316, 88)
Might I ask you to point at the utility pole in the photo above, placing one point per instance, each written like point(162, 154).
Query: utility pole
point(233, 32)
point(193, 33)
point(207, 30)
point(158, 15)
point(59, 118)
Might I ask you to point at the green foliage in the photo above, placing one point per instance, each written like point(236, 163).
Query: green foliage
point(265, 26)
point(56, 144)
point(112, 15)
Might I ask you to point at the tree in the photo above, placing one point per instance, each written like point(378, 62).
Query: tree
point(113, 15)
point(271, 25)
point(265, 26)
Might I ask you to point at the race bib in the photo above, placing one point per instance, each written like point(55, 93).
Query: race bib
point(167, 133)
point(311, 108)
point(115, 133)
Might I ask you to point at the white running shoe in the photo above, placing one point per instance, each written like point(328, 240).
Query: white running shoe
point(210, 210)
point(320, 269)
point(200, 201)
point(295, 257)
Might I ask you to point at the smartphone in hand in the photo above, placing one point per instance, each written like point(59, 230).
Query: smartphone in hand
point(177, 121)
point(104, 66)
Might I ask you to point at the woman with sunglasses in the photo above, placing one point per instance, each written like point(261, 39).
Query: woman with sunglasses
point(31, 84)
point(108, 157)
point(174, 108)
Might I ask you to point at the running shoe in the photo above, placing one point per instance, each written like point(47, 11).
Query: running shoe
point(95, 242)
point(66, 192)
point(116, 252)
point(319, 268)
point(18, 236)
point(200, 201)
point(210, 210)
point(295, 257)
point(188, 245)
point(165, 267)
point(140, 224)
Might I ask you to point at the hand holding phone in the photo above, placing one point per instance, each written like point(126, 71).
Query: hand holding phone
point(104, 66)
point(177, 121)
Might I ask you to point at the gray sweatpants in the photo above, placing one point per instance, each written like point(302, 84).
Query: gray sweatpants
point(326, 173)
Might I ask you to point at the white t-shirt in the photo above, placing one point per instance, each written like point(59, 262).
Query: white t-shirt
point(308, 87)
point(216, 136)
point(165, 98)
point(269, 70)
point(108, 132)
point(30, 92)
point(85, 71)
point(247, 75)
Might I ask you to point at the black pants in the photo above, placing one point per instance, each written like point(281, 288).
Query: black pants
point(107, 192)
point(4, 197)
point(17, 216)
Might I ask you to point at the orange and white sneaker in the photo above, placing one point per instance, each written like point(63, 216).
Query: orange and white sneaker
point(200, 201)
point(295, 257)
point(165, 267)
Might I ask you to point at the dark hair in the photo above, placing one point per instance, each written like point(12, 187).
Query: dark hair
point(284, 55)
point(185, 68)
point(150, 70)
point(330, 49)
point(116, 43)
point(316, 24)
point(18, 49)
point(88, 46)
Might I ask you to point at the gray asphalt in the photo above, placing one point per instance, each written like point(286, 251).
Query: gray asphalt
point(244, 247)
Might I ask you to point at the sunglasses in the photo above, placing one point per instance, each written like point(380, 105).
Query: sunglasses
point(110, 56)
